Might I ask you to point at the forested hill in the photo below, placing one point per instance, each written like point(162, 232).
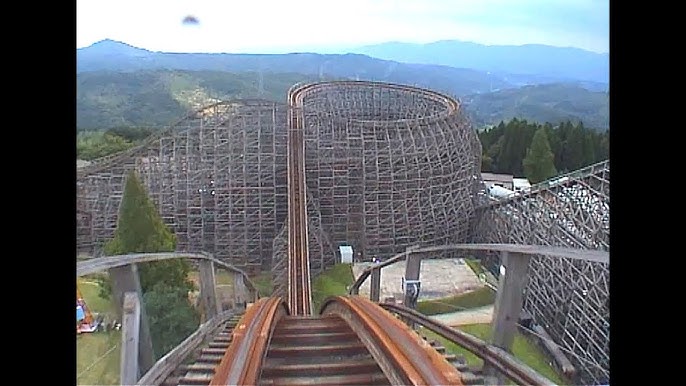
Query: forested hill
point(108, 99)
point(541, 103)
point(110, 55)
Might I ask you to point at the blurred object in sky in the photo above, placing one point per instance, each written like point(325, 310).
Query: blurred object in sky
point(190, 20)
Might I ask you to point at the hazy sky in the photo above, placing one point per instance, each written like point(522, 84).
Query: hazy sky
point(276, 26)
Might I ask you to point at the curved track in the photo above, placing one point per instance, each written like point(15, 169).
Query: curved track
point(352, 340)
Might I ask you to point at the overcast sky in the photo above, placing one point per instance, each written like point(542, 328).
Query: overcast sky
point(277, 26)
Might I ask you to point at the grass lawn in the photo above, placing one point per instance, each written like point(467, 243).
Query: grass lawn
point(483, 296)
point(94, 365)
point(263, 282)
point(89, 290)
point(333, 281)
point(522, 349)
point(475, 265)
point(221, 277)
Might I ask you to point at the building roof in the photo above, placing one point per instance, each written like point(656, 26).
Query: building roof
point(521, 183)
point(496, 177)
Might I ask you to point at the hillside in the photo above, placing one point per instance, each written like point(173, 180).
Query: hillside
point(157, 98)
point(110, 55)
point(541, 103)
point(555, 64)
point(107, 99)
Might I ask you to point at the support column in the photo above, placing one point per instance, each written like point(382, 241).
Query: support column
point(208, 294)
point(128, 367)
point(125, 279)
point(411, 282)
point(239, 290)
point(508, 303)
point(412, 267)
point(375, 288)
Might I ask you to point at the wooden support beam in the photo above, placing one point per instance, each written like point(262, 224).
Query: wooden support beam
point(375, 289)
point(208, 295)
point(412, 267)
point(129, 370)
point(508, 303)
point(125, 279)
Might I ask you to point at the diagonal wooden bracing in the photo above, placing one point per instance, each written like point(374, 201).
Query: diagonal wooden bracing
point(569, 298)
point(216, 178)
point(387, 167)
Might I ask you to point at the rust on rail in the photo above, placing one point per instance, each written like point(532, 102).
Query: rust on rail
point(403, 356)
point(500, 359)
point(242, 361)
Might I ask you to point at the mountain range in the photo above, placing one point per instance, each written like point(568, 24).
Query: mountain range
point(488, 94)
point(547, 63)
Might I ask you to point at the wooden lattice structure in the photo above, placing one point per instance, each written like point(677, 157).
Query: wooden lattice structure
point(387, 167)
point(569, 298)
point(218, 178)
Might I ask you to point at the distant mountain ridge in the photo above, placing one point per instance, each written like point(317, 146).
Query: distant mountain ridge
point(119, 84)
point(457, 80)
point(552, 103)
point(561, 63)
point(116, 56)
point(106, 99)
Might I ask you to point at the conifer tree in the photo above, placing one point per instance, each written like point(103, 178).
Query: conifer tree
point(165, 284)
point(539, 164)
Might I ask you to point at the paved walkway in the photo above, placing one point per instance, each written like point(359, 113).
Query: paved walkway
point(440, 278)
point(473, 316)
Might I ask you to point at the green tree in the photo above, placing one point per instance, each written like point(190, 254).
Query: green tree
point(92, 145)
point(165, 284)
point(171, 318)
point(539, 163)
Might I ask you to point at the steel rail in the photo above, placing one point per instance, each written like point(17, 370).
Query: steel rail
point(299, 291)
point(242, 361)
point(500, 359)
point(571, 253)
point(402, 355)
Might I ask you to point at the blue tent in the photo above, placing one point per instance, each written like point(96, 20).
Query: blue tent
point(80, 315)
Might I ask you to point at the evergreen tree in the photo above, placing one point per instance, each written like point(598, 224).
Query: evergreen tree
point(539, 161)
point(165, 284)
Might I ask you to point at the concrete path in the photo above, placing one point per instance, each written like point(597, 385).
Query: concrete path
point(440, 278)
point(473, 316)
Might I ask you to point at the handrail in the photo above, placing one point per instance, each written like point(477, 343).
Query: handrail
point(168, 363)
point(242, 361)
point(404, 358)
point(90, 266)
point(571, 253)
point(500, 359)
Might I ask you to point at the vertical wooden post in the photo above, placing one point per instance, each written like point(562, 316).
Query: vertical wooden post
point(508, 303)
point(208, 294)
point(375, 288)
point(125, 279)
point(131, 312)
point(239, 290)
point(412, 267)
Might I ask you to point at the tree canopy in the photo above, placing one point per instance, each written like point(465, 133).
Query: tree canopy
point(165, 284)
point(539, 163)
